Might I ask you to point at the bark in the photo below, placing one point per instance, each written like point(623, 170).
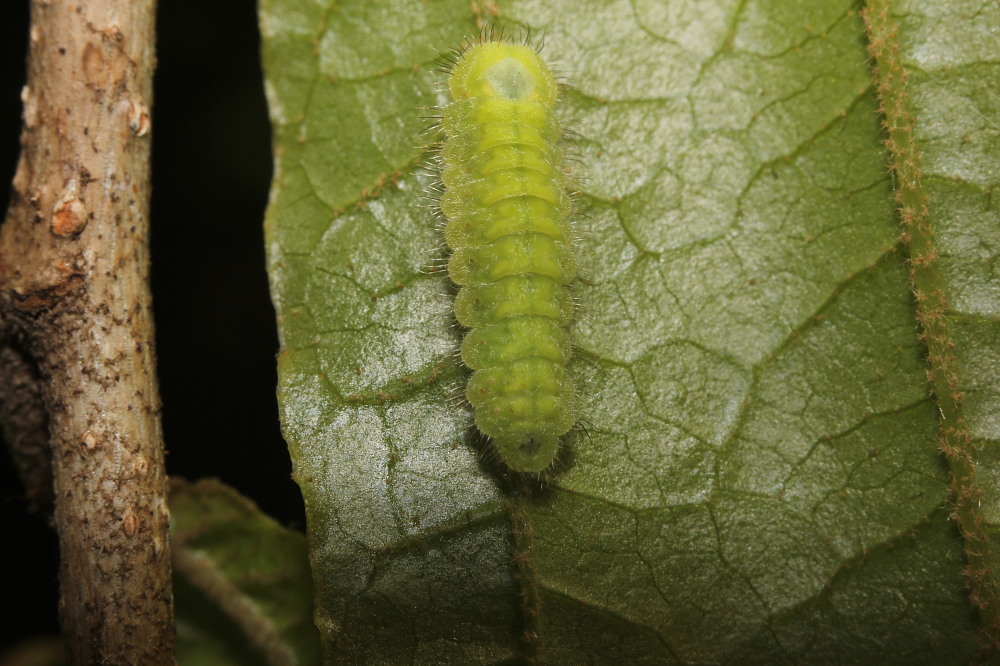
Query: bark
point(75, 316)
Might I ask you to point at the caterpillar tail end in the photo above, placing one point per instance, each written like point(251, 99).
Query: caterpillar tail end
point(528, 454)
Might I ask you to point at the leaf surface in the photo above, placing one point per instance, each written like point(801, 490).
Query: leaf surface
point(242, 584)
point(759, 478)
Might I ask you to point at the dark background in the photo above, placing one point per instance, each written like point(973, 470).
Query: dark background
point(215, 330)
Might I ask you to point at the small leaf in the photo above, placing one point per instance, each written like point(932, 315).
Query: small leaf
point(242, 585)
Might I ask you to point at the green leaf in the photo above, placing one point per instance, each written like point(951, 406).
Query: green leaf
point(242, 584)
point(759, 478)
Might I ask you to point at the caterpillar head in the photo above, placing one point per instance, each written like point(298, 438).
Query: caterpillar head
point(503, 70)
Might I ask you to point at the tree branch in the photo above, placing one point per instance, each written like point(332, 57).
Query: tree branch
point(74, 300)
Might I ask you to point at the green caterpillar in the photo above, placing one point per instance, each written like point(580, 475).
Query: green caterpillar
point(507, 212)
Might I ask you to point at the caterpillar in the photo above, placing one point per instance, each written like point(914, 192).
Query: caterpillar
point(506, 211)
